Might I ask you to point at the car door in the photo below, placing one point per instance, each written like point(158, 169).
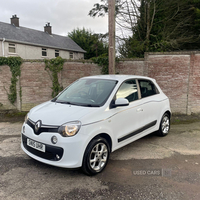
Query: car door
point(126, 120)
point(150, 103)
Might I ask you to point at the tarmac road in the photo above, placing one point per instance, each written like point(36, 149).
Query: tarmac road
point(150, 168)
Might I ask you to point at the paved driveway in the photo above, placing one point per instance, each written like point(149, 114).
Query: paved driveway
point(150, 168)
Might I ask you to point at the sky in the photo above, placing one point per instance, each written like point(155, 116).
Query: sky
point(63, 15)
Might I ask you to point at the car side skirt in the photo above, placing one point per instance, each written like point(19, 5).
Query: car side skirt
point(138, 131)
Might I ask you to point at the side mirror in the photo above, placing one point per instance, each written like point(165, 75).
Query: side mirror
point(121, 102)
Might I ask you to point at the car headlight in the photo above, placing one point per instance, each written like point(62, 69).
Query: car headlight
point(69, 129)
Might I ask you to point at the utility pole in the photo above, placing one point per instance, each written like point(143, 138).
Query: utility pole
point(111, 28)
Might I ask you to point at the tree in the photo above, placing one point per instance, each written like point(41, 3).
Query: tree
point(94, 44)
point(155, 25)
point(126, 15)
point(168, 25)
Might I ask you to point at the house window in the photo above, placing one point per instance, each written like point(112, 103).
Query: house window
point(11, 48)
point(56, 53)
point(71, 55)
point(44, 52)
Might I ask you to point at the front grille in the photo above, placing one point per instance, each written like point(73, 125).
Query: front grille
point(43, 128)
point(52, 153)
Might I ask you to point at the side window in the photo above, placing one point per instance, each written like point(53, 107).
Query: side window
point(128, 90)
point(147, 88)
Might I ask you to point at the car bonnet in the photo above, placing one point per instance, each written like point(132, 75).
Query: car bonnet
point(51, 113)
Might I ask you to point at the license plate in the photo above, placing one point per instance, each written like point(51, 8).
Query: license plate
point(36, 145)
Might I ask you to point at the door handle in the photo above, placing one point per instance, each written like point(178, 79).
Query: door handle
point(139, 110)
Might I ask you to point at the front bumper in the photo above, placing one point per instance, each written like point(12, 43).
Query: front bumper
point(51, 152)
point(67, 152)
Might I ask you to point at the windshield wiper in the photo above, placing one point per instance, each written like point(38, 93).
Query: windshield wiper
point(65, 102)
point(89, 105)
point(77, 104)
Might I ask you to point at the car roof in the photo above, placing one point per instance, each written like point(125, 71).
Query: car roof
point(117, 77)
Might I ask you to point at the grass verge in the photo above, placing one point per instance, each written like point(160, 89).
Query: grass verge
point(12, 116)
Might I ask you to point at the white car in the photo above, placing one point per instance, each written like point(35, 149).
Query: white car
point(93, 117)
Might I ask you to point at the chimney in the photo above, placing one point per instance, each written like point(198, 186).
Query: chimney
point(15, 20)
point(47, 28)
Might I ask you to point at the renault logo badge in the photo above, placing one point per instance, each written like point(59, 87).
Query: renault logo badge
point(38, 125)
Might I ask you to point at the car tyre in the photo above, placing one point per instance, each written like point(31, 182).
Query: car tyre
point(96, 156)
point(164, 125)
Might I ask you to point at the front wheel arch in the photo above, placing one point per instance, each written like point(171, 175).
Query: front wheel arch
point(105, 136)
point(92, 148)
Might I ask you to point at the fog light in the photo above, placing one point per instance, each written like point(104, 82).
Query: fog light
point(54, 139)
point(57, 156)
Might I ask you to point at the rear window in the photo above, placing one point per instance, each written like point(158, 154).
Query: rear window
point(147, 88)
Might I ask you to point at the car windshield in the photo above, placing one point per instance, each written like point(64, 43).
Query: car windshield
point(87, 92)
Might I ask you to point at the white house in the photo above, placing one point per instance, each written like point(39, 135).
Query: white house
point(33, 44)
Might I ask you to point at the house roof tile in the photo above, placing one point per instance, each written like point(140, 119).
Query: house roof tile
point(37, 38)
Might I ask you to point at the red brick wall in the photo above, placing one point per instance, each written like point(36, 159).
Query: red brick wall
point(194, 85)
point(5, 76)
point(35, 83)
point(171, 73)
point(74, 70)
point(134, 67)
point(178, 75)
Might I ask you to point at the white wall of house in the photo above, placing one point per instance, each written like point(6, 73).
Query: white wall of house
point(1, 53)
point(34, 52)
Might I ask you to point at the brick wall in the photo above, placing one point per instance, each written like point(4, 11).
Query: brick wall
point(194, 85)
point(74, 70)
point(171, 73)
point(178, 75)
point(5, 76)
point(135, 67)
point(35, 83)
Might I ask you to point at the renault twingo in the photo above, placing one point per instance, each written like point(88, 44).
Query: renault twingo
point(93, 117)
